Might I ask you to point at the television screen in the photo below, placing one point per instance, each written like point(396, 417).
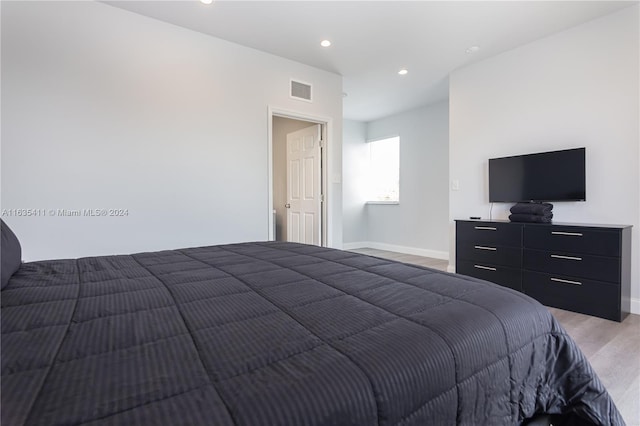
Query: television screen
point(547, 176)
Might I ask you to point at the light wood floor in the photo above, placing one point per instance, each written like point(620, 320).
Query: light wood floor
point(612, 348)
point(406, 258)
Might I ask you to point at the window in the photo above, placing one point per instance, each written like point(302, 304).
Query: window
point(384, 177)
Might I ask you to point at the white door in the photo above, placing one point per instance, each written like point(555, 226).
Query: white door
point(304, 189)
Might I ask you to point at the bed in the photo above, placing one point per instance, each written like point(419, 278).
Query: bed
point(272, 333)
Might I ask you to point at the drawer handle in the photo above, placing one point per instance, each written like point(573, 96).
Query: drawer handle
point(486, 228)
point(559, 256)
point(485, 248)
point(488, 268)
point(560, 280)
point(569, 234)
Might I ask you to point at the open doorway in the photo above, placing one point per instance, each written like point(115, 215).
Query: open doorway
point(298, 179)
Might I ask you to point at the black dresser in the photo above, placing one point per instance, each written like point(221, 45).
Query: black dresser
point(578, 267)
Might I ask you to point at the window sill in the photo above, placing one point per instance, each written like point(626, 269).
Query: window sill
point(383, 202)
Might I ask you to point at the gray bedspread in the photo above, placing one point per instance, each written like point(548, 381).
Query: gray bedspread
point(281, 334)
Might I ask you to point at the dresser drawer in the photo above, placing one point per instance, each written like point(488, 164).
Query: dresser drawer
point(507, 277)
point(585, 296)
point(573, 239)
point(492, 233)
point(483, 253)
point(597, 268)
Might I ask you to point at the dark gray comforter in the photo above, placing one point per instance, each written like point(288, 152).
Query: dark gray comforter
point(281, 334)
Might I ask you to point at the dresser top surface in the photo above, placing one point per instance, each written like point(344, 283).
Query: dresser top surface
point(582, 225)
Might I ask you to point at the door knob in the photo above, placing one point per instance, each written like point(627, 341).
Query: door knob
point(287, 206)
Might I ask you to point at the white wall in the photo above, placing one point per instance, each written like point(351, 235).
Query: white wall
point(576, 88)
point(281, 127)
point(418, 224)
point(103, 108)
point(355, 157)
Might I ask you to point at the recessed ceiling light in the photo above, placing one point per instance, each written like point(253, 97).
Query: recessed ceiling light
point(325, 43)
point(206, 1)
point(403, 71)
point(472, 49)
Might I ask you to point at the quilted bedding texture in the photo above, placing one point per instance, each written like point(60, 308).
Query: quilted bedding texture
point(281, 334)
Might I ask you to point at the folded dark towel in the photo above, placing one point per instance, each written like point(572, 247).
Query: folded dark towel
point(532, 208)
point(532, 218)
point(548, 214)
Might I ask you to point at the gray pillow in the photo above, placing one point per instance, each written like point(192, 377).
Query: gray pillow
point(10, 253)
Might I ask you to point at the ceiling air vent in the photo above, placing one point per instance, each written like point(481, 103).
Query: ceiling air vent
point(300, 90)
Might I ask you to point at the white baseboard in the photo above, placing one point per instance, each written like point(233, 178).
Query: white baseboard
point(435, 254)
point(353, 246)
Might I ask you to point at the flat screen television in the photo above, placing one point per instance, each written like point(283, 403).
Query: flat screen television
point(545, 176)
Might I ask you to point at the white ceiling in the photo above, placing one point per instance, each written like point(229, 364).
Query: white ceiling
point(372, 40)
